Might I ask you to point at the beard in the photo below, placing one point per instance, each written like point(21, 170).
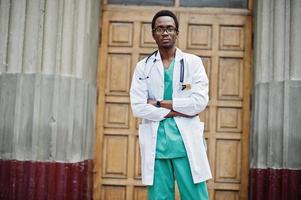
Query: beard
point(167, 46)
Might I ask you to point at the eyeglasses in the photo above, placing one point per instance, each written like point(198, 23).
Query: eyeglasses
point(168, 29)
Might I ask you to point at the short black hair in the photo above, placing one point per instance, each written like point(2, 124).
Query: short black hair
point(165, 13)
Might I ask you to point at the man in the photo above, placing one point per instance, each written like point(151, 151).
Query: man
point(169, 89)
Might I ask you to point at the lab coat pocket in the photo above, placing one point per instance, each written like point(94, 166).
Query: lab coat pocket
point(184, 90)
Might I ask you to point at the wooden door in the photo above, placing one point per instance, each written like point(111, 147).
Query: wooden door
point(222, 39)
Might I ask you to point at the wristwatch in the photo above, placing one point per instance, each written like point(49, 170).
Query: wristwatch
point(158, 104)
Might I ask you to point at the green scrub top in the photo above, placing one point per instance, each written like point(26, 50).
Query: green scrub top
point(169, 140)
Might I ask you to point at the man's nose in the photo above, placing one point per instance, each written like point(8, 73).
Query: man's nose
point(165, 32)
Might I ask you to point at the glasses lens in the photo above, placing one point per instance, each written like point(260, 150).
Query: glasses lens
point(170, 29)
point(159, 30)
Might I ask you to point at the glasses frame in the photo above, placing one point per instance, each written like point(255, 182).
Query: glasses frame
point(168, 30)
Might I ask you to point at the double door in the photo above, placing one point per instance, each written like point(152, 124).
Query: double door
point(222, 39)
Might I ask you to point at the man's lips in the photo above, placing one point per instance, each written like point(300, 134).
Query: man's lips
point(166, 39)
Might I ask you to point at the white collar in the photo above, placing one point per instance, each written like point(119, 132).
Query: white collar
point(179, 55)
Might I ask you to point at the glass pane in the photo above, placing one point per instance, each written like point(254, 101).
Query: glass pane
point(215, 3)
point(143, 2)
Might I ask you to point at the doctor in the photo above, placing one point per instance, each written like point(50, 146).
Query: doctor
point(169, 89)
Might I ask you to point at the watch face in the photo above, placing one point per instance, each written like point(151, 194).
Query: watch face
point(158, 103)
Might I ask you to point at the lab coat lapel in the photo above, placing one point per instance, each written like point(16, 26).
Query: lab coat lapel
point(159, 65)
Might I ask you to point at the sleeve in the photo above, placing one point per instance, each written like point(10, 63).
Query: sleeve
point(139, 96)
point(198, 99)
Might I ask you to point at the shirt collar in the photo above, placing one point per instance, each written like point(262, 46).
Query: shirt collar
point(179, 55)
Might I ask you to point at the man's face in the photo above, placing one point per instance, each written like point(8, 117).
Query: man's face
point(165, 33)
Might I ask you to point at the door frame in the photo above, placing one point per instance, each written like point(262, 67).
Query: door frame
point(101, 83)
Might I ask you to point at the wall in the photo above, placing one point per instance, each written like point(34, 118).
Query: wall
point(276, 138)
point(48, 63)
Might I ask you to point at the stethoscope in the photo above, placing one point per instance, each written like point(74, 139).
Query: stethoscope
point(183, 86)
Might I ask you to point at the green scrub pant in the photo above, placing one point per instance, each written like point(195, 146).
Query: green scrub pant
point(166, 170)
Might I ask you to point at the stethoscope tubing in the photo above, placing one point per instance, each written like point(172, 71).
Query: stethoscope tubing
point(155, 60)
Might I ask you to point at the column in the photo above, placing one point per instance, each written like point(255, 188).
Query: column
point(275, 168)
point(48, 63)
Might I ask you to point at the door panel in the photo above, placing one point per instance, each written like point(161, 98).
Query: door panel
point(222, 40)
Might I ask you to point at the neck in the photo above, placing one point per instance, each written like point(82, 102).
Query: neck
point(167, 53)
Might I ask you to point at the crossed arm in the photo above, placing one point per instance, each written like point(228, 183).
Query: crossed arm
point(168, 105)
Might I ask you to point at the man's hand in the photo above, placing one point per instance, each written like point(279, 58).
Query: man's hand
point(173, 113)
point(152, 102)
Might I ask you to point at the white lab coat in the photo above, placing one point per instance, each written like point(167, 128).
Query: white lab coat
point(148, 83)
